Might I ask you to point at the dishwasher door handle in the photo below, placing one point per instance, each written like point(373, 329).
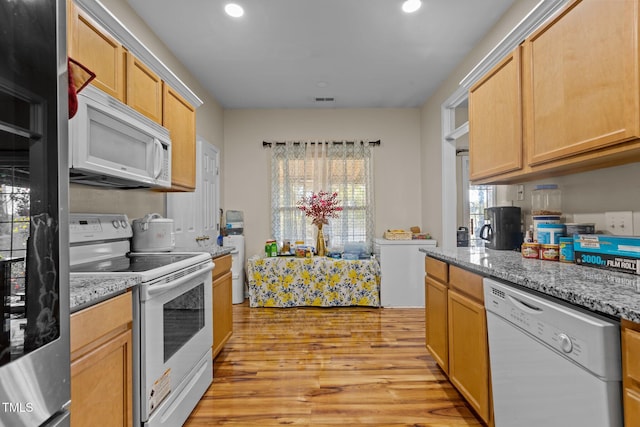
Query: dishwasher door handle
point(526, 306)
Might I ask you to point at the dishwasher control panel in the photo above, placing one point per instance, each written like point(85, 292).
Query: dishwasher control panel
point(528, 318)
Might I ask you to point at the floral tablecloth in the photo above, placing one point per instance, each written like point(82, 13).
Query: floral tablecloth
point(316, 281)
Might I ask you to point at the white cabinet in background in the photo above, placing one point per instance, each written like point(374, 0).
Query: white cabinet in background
point(402, 271)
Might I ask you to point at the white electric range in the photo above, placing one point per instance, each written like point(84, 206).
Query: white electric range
point(172, 311)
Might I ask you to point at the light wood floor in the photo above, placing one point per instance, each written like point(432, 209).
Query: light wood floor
point(339, 366)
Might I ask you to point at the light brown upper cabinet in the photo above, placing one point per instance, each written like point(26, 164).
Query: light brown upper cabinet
point(144, 89)
point(180, 118)
point(580, 98)
point(582, 81)
point(94, 48)
point(495, 121)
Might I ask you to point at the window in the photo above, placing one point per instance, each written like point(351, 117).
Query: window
point(475, 198)
point(480, 197)
point(298, 169)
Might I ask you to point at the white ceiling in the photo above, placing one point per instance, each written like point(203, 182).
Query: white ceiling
point(368, 53)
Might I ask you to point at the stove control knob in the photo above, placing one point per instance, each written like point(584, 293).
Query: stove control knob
point(115, 224)
point(123, 223)
point(565, 343)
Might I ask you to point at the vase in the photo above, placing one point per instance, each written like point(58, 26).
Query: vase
point(320, 248)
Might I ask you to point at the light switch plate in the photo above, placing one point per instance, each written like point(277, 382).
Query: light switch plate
point(619, 223)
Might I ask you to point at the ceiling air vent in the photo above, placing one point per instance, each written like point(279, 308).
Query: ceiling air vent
point(330, 99)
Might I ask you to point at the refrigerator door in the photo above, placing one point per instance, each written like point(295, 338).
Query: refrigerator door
point(34, 279)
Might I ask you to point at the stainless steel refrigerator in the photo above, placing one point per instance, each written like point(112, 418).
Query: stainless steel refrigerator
point(34, 276)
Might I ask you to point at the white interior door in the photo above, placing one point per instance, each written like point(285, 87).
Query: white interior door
point(209, 178)
point(195, 214)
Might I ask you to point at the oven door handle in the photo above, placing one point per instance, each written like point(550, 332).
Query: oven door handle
point(158, 289)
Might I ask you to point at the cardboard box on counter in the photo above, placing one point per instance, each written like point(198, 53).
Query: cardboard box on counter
point(616, 253)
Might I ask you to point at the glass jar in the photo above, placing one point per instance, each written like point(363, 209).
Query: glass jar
point(546, 199)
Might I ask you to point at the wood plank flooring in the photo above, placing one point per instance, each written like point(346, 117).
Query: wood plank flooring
point(326, 367)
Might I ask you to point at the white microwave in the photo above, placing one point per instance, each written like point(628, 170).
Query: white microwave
point(112, 145)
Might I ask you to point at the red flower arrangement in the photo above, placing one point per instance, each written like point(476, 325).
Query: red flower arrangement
point(320, 206)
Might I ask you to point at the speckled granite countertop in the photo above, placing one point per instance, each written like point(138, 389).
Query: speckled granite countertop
point(215, 250)
point(612, 293)
point(87, 289)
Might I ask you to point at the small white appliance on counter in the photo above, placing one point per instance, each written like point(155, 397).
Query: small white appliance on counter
point(402, 271)
point(551, 364)
point(152, 233)
point(172, 315)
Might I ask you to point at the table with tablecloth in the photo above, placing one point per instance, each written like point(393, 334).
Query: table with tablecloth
point(315, 281)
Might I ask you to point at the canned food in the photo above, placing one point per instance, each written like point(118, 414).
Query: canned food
point(530, 250)
point(271, 248)
point(549, 252)
point(566, 249)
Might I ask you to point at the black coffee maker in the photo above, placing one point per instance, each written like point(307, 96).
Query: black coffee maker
point(502, 229)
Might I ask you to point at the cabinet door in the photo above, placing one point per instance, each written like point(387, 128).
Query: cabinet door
point(101, 385)
point(436, 322)
point(180, 118)
point(469, 352)
point(144, 89)
point(581, 81)
point(222, 312)
point(94, 48)
point(495, 121)
point(631, 372)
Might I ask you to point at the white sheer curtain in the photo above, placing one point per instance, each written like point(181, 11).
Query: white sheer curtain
point(300, 168)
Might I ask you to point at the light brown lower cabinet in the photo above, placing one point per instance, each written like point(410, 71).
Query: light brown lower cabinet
point(222, 303)
point(631, 372)
point(456, 332)
point(101, 364)
point(469, 351)
point(436, 322)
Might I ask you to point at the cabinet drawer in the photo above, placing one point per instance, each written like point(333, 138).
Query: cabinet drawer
point(92, 323)
point(436, 269)
point(466, 282)
point(222, 265)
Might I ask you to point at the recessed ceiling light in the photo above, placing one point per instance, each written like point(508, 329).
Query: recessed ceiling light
point(410, 6)
point(234, 10)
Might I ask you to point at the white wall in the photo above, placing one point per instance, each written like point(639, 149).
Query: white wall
point(209, 124)
point(610, 189)
point(397, 160)
point(431, 126)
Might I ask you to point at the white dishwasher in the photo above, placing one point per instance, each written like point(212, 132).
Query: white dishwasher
point(551, 365)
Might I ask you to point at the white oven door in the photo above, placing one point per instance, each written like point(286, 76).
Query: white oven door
point(176, 334)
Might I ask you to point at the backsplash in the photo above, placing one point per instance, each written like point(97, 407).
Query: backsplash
point(587, 196)
point(133, 203)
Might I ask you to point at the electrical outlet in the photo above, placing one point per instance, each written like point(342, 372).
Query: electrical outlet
point(520, 192)
point(619, 223)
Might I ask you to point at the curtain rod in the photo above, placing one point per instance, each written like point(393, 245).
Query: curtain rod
point(268, 144)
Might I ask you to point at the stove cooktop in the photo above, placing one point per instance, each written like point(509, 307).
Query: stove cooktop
point(132, 263)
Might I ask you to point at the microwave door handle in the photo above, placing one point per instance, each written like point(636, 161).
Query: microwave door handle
point(157, 161)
